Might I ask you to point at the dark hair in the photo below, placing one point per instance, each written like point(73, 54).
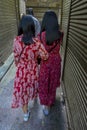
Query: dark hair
point(30, 11)
point(27, 28)
point(20, 31)
point(50, 25)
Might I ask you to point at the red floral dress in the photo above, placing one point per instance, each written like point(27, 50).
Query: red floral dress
point(26, 79)
point(50, 72)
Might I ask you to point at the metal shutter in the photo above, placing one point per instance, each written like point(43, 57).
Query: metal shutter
point(75, 69)
point(8, 27)
point(64, 21)
point(65, 18)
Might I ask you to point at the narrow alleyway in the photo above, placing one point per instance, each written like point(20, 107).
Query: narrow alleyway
point(72, 18)
point(11, 119)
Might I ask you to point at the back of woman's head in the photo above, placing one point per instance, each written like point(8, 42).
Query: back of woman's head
point(30, 11)
point(28, 29)
point(50, 25)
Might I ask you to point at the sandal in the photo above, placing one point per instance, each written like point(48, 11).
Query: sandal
point(46, 111)
point(26, 116)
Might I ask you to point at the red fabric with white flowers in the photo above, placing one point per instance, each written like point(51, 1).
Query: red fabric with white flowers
point(26, 79)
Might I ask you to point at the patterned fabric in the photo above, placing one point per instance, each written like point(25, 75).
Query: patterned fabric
point(50, 72)
point(26, 79)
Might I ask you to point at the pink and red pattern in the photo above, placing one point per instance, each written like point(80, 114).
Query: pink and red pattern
point(50, 72)
point(26, 79)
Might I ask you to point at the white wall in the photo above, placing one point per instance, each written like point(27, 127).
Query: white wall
point(22, 7)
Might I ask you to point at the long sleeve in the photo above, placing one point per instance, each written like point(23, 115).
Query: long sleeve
point(16, 50)
point(43, 53)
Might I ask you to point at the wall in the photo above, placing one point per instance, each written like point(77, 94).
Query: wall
point(22, 7)
point(41, 6)
point(8, 28)
point(74, 24)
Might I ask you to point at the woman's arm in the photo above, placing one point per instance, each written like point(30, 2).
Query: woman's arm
point(43, 53)
point(16, 50)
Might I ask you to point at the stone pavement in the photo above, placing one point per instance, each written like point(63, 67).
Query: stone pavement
point(12, 119)
point(5, 67)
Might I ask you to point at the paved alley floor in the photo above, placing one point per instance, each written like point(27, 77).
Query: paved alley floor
point(12, 119)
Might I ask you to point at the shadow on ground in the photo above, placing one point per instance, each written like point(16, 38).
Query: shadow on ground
point(12, 119)
point(54, 121)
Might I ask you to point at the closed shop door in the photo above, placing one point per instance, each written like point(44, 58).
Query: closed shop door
point(65, 19)
point(8, 28)
point(75, 68)
point(65, 24)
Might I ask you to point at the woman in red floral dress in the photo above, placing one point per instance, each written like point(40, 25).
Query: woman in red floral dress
point(26, 50)
point(50, 70)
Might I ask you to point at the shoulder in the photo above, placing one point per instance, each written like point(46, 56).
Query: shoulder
point(43, 36)
point(62, 33)
point(34, 18)
point(61, 37)
point(18, 38)
point(36, 40)
point(17, 41)
point(43, 33)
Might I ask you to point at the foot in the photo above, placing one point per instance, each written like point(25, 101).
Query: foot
point(46, 110)
point(26, 116)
